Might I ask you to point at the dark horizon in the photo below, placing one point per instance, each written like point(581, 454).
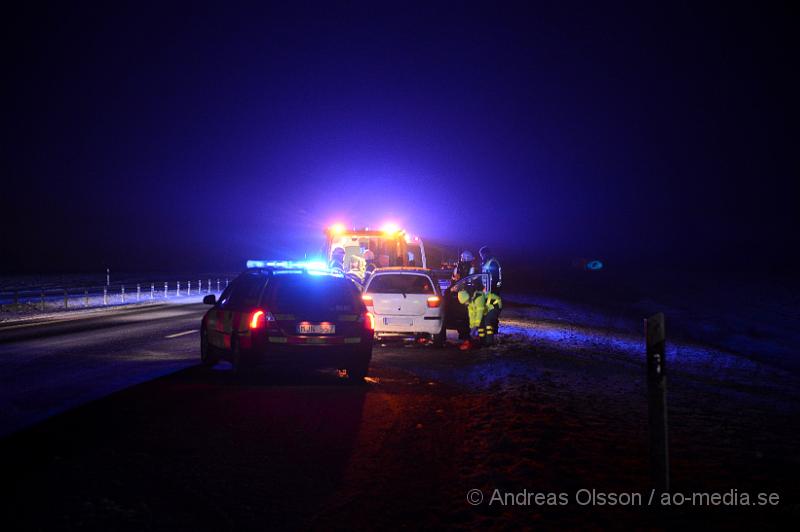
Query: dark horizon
point(169, 138)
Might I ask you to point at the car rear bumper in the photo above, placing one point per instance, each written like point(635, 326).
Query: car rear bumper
point(420, 325)
point(268, 352)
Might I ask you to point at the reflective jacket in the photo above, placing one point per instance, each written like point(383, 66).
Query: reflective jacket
point(492, 267)
point(493, 301)
point(476, 306)
point(462, 269)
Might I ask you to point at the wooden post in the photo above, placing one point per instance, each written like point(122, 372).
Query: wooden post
point(655, 336)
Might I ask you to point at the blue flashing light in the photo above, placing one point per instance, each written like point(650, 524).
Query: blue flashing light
point(316, 266)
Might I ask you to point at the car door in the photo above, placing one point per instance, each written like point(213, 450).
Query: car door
point(233, 310)
point(456, 314)
point(217, 319)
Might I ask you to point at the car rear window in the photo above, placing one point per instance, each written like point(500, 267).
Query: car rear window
point(292, 294)
point(246, 290)
point(400, 284)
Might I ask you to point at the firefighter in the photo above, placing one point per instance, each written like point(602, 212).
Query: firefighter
point(475, 301)
point(490, 265)
point(369, 259)
point(465, 265)
point(336, 264)
point(494, 304)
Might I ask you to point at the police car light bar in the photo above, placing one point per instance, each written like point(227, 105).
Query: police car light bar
point(310, 265)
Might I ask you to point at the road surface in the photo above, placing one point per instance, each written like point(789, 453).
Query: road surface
point(110, 424)
point(48, 367)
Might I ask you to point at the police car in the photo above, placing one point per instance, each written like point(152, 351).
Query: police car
point(406, 302)
point(288, 314)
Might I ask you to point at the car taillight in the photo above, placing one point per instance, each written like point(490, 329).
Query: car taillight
point(260, 319)
point(369, 321)
point(434, 301)
point(367, 300)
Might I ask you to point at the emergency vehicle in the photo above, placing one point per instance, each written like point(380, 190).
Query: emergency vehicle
point(392, 246)
point(288, 314)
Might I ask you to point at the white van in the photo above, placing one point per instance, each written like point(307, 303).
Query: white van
point(406, 302)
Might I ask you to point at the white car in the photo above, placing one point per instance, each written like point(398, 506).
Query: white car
point(405, 302)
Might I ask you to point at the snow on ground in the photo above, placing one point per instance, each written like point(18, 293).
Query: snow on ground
point(43, 297)
point(562, 401)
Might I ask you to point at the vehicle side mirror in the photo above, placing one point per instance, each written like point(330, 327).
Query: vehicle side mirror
point(210, 299)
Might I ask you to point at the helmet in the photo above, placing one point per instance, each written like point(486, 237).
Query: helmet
point(485, 252)
point(369, 255)
point(466, 256)
point(337, 251)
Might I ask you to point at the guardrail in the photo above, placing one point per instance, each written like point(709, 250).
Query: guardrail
point(54, 298)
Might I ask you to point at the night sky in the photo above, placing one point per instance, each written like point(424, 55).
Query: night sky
point(157, 137)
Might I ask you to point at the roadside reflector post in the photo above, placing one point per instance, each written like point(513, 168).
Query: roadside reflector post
point(108, 276)
point(138, 291)
point(105, 295)
point(41, 296)
point(199, 286)
point(217, 286)
point(66, 300)
point(226, 282)
point(152, 290)
point(122, 293)
point(178, 289)
point(208, 287)
point(85, 297)
point(188, 288)
point(655, 338)
point(165, 290)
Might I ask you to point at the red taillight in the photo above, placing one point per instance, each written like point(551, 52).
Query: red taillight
point(369, 321)
point(434, 301)
point(258, 320)
point(367, 300)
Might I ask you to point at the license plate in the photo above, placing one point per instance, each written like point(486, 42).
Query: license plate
point(398, 321)
point(316, 328)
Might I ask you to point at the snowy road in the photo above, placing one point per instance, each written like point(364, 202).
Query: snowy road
point(558, 406)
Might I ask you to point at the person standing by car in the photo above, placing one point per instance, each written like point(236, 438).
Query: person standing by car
point(465, 265)
point(369, 259)
point(336, 264)
point(491, 266)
